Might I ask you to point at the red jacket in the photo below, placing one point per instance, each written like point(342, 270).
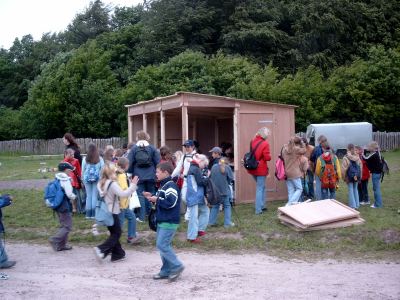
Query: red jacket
point(262, 154)
point(74, 180)
point(365, 171)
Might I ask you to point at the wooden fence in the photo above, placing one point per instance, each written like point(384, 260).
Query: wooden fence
point(56, 146)
point(386, 140)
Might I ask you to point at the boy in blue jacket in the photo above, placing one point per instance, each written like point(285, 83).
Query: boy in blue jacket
point(168, 204)
point(5, 200)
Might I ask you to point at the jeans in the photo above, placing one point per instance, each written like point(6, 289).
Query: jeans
point(145, 206)
point(260, 193)
point(227, 212)
point(198, 220)
point(80, 204)
point(376, 186)
point(170, 262)
point(363, 191)
point(318, 195)
point(112, 244)
point(328, 193)
point(3, 254)
point(60, 239)
point(353, 195)
point(130, 216)
point(294, 190)
point(310, 177)
point(92, 195)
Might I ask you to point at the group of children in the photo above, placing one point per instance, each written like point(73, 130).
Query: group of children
point(180, 176)
point(304, 163)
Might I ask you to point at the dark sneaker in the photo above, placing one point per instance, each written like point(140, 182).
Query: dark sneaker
point(134, 241)
point(158, 277)
point(65, 248)
point(114, 260)
point(174, 276)
point(264, 209)
point(8, 264)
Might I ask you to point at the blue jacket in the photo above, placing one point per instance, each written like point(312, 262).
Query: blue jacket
point(222, 181)
point(200, 178)
point(168, 202)
point(144, 174)
point(4, 201)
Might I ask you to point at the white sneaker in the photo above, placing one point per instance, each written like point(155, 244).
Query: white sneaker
point(138, 220)
point(99, 255)
point(373, 206)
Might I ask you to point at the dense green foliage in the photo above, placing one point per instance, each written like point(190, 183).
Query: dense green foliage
point(337, 60)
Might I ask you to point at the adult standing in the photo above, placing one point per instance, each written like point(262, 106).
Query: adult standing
point(318, 150)
point(70, 143)
point(374, 163)
point(262, 155)
point(296, 165)
point(92, 165)
point(143, 159)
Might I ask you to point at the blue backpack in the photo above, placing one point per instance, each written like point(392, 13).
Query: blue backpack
point(92, 173)
point(53, 194)
point(194, 193)
point(353, 172)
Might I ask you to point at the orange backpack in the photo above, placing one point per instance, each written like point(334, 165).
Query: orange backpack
point(329, 176)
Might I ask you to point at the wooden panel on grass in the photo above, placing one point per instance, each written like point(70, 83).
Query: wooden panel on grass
point(319, 212)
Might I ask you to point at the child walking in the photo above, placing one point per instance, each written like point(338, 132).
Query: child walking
point(222, 176)
point(75, 178)
point(59, 241)
point(110, 190)
point(126, 213)
point(167, 201)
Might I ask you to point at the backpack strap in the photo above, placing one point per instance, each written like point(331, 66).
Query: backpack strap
point(255, 149)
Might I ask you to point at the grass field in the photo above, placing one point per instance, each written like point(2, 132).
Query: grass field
point(379, 238)
point(18, 166)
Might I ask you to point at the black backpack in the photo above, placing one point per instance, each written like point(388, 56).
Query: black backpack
point(249, 160)
point(143, 157)
point(213, 194)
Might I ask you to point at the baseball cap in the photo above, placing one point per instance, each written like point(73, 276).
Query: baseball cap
point(189, 143)
point(216, 150)
point(65, 166)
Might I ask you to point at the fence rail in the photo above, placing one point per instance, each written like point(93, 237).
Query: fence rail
point(55, 146)
point(387, 140)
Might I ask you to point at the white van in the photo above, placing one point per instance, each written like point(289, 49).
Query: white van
point(339, 135)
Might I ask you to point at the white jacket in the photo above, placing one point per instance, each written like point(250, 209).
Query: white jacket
point(66, 185)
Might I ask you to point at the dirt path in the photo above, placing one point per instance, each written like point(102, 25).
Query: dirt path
point(43, 274)
point(37, 184)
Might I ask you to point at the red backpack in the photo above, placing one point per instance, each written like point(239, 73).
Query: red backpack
point(329, 176)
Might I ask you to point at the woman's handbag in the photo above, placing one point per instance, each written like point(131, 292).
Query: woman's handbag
point(152, 218)
point(103, 216)
point(134, 201)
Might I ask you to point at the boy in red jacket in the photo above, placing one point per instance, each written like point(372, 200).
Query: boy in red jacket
point(75, 176)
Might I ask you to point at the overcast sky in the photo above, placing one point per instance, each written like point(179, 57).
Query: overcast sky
point(35, 17)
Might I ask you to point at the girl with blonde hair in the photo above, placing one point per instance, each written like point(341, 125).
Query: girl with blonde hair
point(110, 191)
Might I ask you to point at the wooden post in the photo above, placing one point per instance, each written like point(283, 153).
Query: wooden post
point(162, 125)
point(155, 131)
point(145, 122)
point(185, 124)
point(130, 129)
point(236, 149)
